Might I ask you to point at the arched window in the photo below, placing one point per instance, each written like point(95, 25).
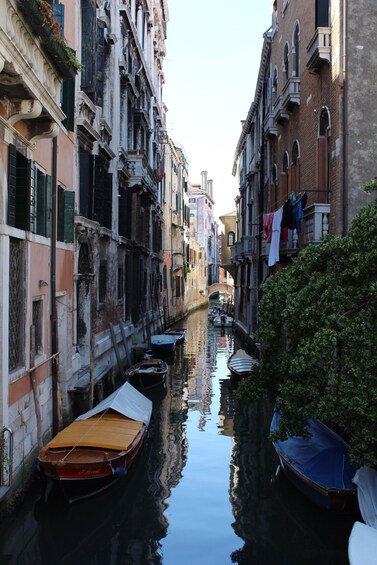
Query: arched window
point(323, 160)
point(296, 51)
point(274, 85)
point(295, 172)
point(286, 62)
point(231, 238)
point(274, 187)
point(285, 177)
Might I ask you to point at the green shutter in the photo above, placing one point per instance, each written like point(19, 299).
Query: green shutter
point(69, 211)
point(48, 192)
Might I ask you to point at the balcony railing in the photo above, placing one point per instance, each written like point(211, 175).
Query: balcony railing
point(270, 126)
point(316, 219)
point(247, 246)
point(140, 173)
point(280, 112)
point(319, 48)
point(291, 93)
point(287, 248)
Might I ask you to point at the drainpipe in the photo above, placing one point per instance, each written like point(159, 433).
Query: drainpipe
point(343, 220)
point(53, 315)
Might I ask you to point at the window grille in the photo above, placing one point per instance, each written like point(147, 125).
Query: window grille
point(16, 304)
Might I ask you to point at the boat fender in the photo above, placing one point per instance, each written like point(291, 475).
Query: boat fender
point(120, 471)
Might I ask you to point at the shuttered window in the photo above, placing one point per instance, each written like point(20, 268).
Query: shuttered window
point(66, 205)
point(19, 189)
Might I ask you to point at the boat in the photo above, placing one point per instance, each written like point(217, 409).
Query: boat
point(222, 321)
point(240, 364)
point(163, 343)
point(179, 334)
point(362, 543)
point(97, 449)
point(318, 466)
point(147, 374)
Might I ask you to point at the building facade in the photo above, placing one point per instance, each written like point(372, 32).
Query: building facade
point(306, 146)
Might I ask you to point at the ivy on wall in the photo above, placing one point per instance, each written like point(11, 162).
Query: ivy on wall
point(318, 335)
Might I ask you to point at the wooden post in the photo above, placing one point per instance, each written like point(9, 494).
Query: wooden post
point(115, 345)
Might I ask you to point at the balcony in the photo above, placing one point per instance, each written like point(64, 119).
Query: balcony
point(286, 248)
point(141, 177)
point(280, 114)
point(61, 57)
point(177, 262)
point(316, 220)
point(319, 49)
point(291, 93)
point(246, 247)
point(270, 126)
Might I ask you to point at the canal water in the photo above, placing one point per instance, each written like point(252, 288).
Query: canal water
point(203, 491)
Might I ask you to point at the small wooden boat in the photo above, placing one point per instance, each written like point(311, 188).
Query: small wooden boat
point(163, 343)
point(318, 466)
point(240, 364)
point(222, 321)
point(362, 543)
point(99, 446)
point(147, 374)
point(179, 334)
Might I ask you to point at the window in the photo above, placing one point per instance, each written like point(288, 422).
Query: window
point(296, 54)
point(19, 195)
point(322, 13)
point(231, 238)
point(120, 286)
point(66, 211)
point(286, 62)
point(323, 159)
point(274, 85)
point(102, 282)
point(295, 174)
point(41, 203)
point(284, 177)
point(16, 304)
point(36, 344)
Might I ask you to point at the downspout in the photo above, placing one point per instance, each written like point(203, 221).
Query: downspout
point(53, 315)
point(343, 220)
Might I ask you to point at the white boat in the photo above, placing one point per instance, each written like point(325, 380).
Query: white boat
point(223, 321)
point(362, 543)
point(240, 364)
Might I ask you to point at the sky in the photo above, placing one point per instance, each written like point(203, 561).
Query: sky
point(211, 68)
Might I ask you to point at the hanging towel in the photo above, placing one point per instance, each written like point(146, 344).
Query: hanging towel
point(267, 226)
point(275, 240)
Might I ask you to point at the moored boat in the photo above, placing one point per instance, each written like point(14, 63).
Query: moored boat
point(179, 334)
point(163, 343)
point(240, 364)
point(99, 446)
point(318, 466)
point(222, 321)
point(362, 543)
point(147, 374)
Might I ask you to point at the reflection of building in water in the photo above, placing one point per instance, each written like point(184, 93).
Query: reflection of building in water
point(251, 461)
point(227, 408)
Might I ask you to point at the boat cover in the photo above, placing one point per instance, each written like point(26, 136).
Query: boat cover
point(362, 545)
point(366, 481)
point(323, 458)
point(164, 339)
point(127, 401)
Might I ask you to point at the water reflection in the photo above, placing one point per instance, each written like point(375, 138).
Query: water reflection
point(203, 490)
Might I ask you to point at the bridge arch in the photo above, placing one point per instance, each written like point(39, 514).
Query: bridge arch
point(221, 287)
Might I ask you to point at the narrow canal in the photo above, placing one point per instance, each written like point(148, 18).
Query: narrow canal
point(204, 490)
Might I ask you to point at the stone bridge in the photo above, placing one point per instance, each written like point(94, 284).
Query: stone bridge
point(221, 287)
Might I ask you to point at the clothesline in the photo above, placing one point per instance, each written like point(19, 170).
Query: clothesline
point(276, 224)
